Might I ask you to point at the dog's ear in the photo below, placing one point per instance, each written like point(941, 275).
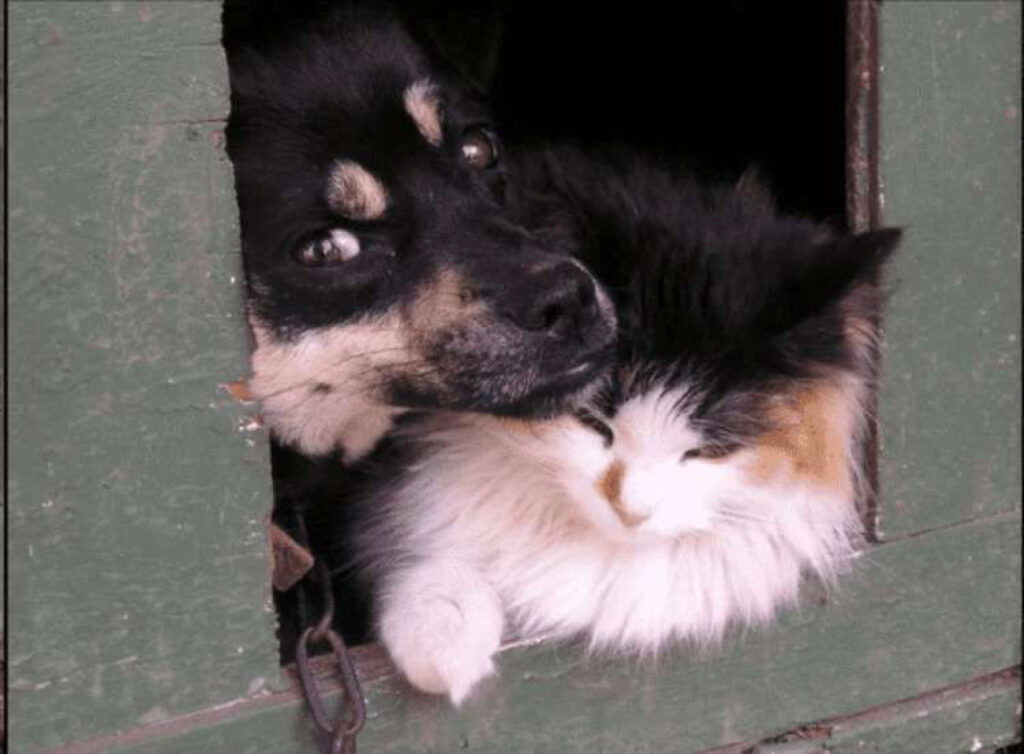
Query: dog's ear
point(467, 41)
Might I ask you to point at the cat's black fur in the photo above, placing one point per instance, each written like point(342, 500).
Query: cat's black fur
point(709, 280)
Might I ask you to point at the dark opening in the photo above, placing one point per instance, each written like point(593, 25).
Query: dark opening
point(718, 86)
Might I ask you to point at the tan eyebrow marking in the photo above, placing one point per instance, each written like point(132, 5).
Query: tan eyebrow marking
point(424, 106)
point(355, 193)
point(440, 303)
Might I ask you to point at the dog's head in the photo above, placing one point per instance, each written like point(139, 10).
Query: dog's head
point(382, 268)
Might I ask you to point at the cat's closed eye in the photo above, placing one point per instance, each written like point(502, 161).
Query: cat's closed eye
point(600, 426)
point(710, 452)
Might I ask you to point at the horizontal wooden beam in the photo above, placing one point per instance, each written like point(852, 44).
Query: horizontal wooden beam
point(921, 614)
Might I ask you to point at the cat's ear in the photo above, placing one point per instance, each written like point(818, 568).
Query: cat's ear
point(859, 258)
point(831, 270)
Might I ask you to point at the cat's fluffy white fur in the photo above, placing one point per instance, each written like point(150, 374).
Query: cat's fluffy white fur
point(518, 529)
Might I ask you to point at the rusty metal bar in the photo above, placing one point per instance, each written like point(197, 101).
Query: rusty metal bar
point(863, 193)
point(863, 209)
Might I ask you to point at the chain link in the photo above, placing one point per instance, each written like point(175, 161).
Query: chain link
point(343, 734)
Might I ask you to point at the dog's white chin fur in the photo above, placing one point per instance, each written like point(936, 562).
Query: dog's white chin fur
point(508, 534)
point(348, 364)
point(319, 393)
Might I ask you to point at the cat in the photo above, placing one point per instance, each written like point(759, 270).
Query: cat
point(715, 466)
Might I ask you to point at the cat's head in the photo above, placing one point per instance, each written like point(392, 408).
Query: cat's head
point(748, 344)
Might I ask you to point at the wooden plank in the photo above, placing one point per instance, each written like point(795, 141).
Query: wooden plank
point(138, 572)
point(3, 402)
point(977, 716)
point(922, 613)
point(950, 406)
point(973, 724)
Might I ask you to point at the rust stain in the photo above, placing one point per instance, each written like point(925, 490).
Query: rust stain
point(240, 391)
point(289, 561)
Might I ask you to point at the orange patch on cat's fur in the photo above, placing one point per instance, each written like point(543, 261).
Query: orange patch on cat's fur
point(610, 483)
point(810, 438)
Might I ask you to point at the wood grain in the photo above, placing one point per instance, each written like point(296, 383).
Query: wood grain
point(138, 567)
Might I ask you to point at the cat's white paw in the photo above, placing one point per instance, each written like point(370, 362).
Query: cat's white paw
point(443, 654)
point(442, 626)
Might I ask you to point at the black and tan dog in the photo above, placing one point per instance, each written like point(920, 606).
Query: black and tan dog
point(383, 271)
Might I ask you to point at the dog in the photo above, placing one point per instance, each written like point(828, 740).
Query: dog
point(383, 270)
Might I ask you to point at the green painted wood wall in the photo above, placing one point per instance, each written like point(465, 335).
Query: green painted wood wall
point(137, 582)
point(3, 402)
point(139, 614)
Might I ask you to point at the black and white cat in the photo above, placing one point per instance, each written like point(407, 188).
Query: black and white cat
point(716, 466)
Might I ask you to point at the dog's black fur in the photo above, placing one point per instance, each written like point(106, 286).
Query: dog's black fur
point(489, 318)
point(520, 330)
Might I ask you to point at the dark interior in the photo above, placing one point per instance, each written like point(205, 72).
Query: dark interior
point(721, 86)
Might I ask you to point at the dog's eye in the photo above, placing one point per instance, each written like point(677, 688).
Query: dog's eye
point(338, 247)
point(479, 148)
point(710, 452)
point(602, 428)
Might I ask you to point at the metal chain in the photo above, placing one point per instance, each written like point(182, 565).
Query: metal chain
point(343, 734)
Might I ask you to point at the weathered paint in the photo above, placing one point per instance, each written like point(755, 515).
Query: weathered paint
point(923, 613)
point(138, 582)
point(3, 401)
point(109, 303)
point(977, 716)
point(973, 722)
point(950, 404)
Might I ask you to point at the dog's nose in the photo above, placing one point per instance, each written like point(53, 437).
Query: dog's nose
point(560, 300)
